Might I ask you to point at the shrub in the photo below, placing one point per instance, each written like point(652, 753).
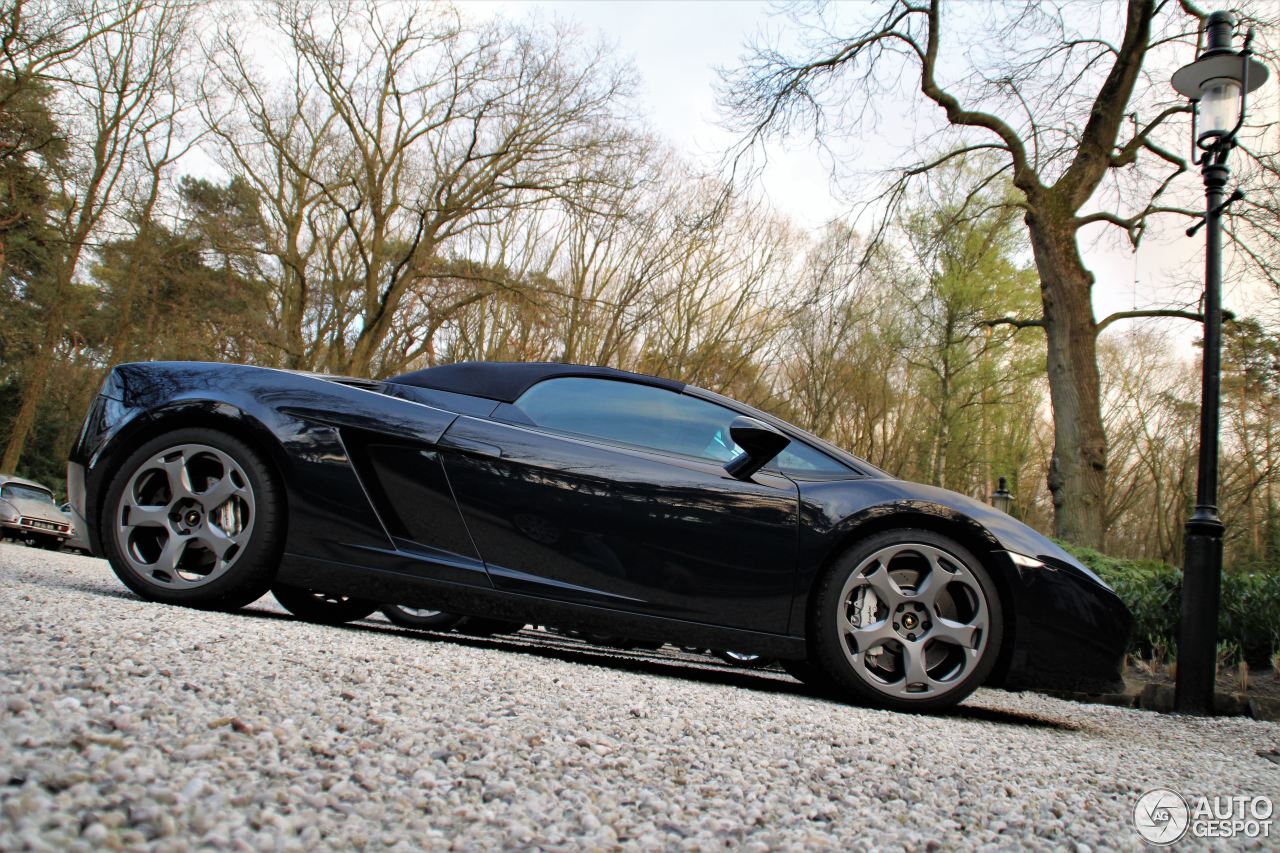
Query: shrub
point(1248, 615)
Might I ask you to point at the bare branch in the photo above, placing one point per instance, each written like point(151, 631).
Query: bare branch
point(1016, 322)
point(1149, 312)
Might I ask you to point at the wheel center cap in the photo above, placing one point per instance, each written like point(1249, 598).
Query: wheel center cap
point(911, 620)
point(186, 517)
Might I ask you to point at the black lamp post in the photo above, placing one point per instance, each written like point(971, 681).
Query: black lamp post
point(1218, 84)
point(1001, 499)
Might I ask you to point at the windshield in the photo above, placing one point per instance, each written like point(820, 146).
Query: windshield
point(16, 491)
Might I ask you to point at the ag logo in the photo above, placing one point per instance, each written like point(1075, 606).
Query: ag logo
point(1161, 816)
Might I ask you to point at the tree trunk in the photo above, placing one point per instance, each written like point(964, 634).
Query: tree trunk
point(33, 392)
point(1077, 472)
point(120, 343)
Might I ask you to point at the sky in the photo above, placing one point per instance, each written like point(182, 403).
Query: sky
point(676, 48)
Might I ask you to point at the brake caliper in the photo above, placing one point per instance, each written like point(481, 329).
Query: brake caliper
point(865, 603)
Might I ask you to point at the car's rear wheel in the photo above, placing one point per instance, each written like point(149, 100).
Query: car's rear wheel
point(194, 517)
point(421, 618)
point(751, 660)
point(321, 607)
point(908, 620)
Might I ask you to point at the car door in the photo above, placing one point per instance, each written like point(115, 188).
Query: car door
point(607, 492)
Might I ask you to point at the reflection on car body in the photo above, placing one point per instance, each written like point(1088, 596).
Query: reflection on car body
point(585, 498)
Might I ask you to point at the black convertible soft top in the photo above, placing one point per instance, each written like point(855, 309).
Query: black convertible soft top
point(507, 380)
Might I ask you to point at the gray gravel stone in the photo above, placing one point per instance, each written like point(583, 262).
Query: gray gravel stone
point(134, 725)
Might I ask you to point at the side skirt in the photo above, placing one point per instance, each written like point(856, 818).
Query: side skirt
point(391, 587)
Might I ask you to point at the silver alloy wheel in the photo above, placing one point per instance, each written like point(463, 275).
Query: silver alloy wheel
point(185, 516)
point(913, 621)
point(742, 657)
point(329, 597)
point(418, 612)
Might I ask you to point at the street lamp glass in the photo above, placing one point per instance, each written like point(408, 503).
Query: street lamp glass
point(1219, 107)
point(1001, 499)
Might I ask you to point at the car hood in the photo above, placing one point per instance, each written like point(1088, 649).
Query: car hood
point(36, 509)
point(1012, 534)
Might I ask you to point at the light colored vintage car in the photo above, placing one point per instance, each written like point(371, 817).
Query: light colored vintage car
point(28, 512)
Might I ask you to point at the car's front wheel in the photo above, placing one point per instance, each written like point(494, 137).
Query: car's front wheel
point(907, 619)
point(321, 607)
point(194, 517)
point(421, 618)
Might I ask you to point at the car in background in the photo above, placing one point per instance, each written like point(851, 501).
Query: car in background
point(78, 541)
point(28, 512)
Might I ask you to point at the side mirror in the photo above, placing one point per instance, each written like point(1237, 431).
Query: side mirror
point(760, 443)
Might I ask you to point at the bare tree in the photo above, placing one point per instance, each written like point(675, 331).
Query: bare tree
point(670, 276)
point(573, 277)
point(842, 365)
point(1149, 411)
point(1049, 87)
point(960, 262)
point(398, 131)
point(113, 64)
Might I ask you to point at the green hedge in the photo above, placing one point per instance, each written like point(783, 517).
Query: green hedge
point(1249, 616)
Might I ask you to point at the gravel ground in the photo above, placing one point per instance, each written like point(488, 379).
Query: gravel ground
point(137, 725)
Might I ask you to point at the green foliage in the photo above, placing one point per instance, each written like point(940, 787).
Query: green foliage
point(158, 285)
point(1251, 394)
point(1250, 614)
point(961, 268)
point(29, 143)
point(1248, 618)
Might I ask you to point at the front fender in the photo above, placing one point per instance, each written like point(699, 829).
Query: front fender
point(1065, 625)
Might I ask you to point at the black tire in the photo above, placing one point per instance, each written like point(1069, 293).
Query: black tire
point(481, 627)
point(963, 607)
point(322, 607)
point(609, 641)
point(412, 617)
point(249, 571)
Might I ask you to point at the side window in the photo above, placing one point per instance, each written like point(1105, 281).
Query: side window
point(800, 458)
point(652, 417)
point(633, 414)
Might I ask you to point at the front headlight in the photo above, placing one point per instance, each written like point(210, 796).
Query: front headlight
point(1054, 564)
point(1025, 562)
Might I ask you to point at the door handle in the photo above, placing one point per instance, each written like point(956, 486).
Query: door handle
point(470, 447)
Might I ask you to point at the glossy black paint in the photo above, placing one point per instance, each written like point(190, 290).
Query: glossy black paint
point(1069, 628)
point(430, 497)
point(590, 523)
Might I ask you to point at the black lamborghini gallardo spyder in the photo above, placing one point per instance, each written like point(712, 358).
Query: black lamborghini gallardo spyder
point(585, 498)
